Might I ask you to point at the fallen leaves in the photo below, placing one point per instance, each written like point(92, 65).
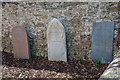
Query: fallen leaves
point(42, 68)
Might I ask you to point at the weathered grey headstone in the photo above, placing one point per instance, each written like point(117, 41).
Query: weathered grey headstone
point(20, 43)
point(102, 41)
point(56, 40)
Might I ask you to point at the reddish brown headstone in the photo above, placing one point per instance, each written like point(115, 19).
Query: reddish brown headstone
point(20, 43)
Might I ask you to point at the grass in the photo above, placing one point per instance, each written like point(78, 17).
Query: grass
point(97, 62)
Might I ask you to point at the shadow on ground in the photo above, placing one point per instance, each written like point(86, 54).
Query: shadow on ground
point(81, 67)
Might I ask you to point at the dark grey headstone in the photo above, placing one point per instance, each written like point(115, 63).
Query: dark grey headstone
point(102, 41)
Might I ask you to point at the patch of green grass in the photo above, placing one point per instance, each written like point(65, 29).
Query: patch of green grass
point(97, 62)
point(81, 59)
point(40, 57)
point(102, 65)
point(33, 55)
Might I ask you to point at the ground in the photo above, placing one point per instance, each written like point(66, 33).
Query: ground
point(42, 68)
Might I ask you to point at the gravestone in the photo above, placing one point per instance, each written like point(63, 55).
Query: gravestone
point(102, 41)
point(20, 43)
point(56, 40)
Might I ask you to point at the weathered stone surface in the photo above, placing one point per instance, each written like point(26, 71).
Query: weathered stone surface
point(56, 40)
point(20, 43)
point(102, 41)
point(113, 70)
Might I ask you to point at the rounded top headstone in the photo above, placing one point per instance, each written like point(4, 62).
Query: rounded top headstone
point(20, 42)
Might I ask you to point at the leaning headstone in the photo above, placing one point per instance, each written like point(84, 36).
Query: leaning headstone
point(56, 40)
point(20, 43)
point(102, 41)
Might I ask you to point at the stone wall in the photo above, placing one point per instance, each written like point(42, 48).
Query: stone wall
point(77, 17)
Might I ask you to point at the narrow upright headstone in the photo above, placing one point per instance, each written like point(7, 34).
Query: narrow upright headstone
point(102, 41)
point(20, 43)
point(56, 40)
